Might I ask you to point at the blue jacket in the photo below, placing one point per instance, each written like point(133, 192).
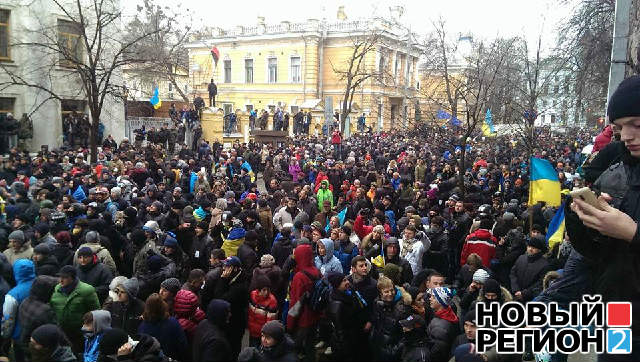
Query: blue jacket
point(101, 322)
point(346, 252)
point(24, 272)
point(328, 263)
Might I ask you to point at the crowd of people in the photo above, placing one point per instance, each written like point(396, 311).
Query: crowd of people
point(375, 250)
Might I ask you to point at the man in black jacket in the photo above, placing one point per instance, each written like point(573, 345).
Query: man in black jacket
point(611, 238)
point(93, 272)
point(366, 286)
point(529, 270)
point(343, 313)
point(233, 286)
point(213, 91)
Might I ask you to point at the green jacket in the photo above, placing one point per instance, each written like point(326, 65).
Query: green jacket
point(324, 194)
point(71, 308)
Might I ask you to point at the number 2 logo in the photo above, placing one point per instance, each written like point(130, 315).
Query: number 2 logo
point(619, 341)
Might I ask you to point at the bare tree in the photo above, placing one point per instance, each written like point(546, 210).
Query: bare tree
point(163, 54)
point(464, 86)
point(92, 56)
point(355, 70)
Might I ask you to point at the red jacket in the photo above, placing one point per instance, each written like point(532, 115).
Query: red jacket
point(363, 230)
point(481, 242)
point(300, 284)
point(261, 311)
point(336, 138)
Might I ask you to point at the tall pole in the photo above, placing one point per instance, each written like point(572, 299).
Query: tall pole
point(619, 47)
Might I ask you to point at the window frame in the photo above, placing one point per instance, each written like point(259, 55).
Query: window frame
point(7, 26)
point(224, 67)
point(275, 73)
point(246, 79)
point(292, 76)
point(79, 52)
point(12, 102)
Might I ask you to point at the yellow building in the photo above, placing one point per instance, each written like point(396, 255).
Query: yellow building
point(295, 66)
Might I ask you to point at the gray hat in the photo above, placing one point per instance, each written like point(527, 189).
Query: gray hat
point(229, 195)
point(17, 235)
point(172, 285)
point(92, 237)
point(131, 286)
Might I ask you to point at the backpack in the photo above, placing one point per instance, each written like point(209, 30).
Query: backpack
point(318, 297)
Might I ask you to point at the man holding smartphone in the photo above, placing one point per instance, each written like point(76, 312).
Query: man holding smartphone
point(612, 240)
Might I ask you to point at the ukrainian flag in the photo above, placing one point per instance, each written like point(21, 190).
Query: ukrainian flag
point(155, 99)
point(555, 232)
point(487, 126)
point(544, 184)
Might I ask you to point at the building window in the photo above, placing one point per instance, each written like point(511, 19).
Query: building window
point(395, 67)
point(295, 109)
point(6, 106)
point(69, 106)
point(272, 70)
point(407, 72)
point(170, 87)
point(4, 33)
point(248, 70)
point(227, 71)
point(69, 44)
point(553, 118)
point(381, 64)
point(295, 70)
point(186, 87)
point(249, 107)
point(228, 108)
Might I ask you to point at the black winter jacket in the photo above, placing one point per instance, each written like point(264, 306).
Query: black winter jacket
point(126, 316)
point(97, 275)
point(527, 275)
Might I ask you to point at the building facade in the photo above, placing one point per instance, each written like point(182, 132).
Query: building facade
point(295, 66)
point(22, 22)
point(557, 101)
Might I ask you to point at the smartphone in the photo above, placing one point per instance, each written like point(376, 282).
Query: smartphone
point(585, 194)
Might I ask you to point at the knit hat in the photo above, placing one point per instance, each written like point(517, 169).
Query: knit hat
point(112, 340)
point(68, 271)
point(393, 272)
point(131, 286)
point(199, 214)
point(470, 316)
point(170, 241)
point(17, 235)
point(85, 251)
point(48, 335)
point(232, 261)
point(480, 276)
point(538, 242)
point(42, 228)
point(42, 249)
point(443, 295)
point(274, 329)
point(152, 227)
point(267, 260)
point(467, 353)
point(229, 195)
point(154, 263)
point(335, 279)
point(251, 235)
point(491, 286)
point(316, 225)
point(92, 237)
point(625, 101)
point(172, 285)
point(262, 282)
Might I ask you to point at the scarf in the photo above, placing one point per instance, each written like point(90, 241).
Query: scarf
point(69, 288)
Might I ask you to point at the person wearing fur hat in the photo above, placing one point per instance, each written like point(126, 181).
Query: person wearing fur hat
point(126, 310)
point(263, 307)
point(443, 327)
point(529, 270)
point(392, 305)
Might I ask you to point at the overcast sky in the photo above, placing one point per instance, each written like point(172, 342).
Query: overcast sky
point(485, 19)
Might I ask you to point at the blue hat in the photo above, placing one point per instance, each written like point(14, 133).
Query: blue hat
point(170, 241)
point(232, 261)
point(443, 295)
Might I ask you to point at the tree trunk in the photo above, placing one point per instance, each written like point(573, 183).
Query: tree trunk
point(93, 136)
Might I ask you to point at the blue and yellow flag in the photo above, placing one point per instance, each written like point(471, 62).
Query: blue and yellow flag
point(555, 232)
point(544, 184)
point(487, 126)
point(155, 99)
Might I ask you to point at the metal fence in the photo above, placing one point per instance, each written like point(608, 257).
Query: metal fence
point(135, 123)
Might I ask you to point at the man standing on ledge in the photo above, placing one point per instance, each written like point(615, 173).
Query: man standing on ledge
point(213, 90)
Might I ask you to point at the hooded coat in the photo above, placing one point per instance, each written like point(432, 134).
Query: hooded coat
point(35, 310)
point(235, 290)
point(126, 315)
point(481, 242)
point(300, 284)
point(71, 308)
point(324, 194)
point(24, 273)
point(210, 342)
point(328, 263)
point(101, 322)
point(47, 266)
point(261, 311)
